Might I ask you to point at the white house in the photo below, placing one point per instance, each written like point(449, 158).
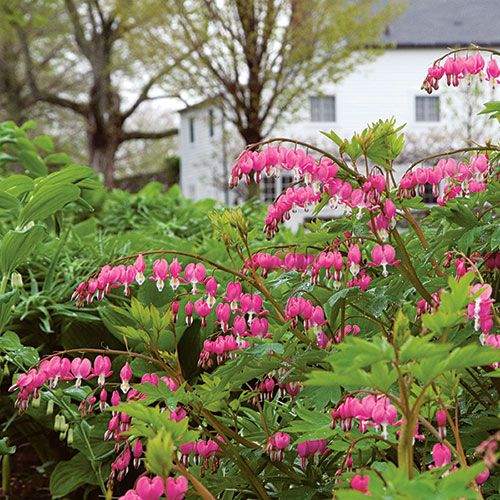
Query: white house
point(387, 87)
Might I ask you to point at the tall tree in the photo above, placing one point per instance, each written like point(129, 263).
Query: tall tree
point(262, 56)
point(15, 98)
point(112, 45)
point(16, 101)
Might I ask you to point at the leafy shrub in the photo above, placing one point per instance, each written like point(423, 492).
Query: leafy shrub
point(354, 358)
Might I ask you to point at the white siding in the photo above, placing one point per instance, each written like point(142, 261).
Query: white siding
point(202, 172)
point(383, 88)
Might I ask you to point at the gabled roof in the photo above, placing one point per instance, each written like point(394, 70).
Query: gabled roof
point(446, 23)
point(214, 101)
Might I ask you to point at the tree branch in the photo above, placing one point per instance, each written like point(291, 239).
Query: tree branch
point(144, 94)
point(43, 95)
point(139, 134)
point(77, 28)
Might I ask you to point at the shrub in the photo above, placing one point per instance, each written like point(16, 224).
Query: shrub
point(354, 359)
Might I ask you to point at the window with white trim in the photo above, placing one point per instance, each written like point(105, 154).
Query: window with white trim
point(427, 109)
point(272, 187)
point(323, 108)
point(269, 190)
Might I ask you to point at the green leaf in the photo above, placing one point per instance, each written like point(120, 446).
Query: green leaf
point(491, 108)
point(70, 475)
point(57, 159)
point(33, 163)
point(334, 137)
point(320, 397)
point(462, 216)
point(16, 185)
point(451, 308)
point(12, 348)
point(356, 352)
point(471, 355)
point(159, 452)
point(8, 202)
point(322, 378)
point(71, 174)
point(341, 294)
point(5, 158)
point(456, 485)
point(17, 246)
point(28, 125)
point(46, 201)
point(44, 142)
point(189, 348)
point(161, 393)
point(312, 424)
point(92, 432)
point(417, 348)
point(5, 449)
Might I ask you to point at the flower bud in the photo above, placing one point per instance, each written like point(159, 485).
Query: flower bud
point(50, 407)
point(69, 437)
point(16, 280)
point(62, 422)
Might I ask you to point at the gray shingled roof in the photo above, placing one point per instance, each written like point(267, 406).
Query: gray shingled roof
point(444, 23)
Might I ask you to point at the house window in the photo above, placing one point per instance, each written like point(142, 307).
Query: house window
point(286, 181)
point(273, 187)
point(427, 109)
point(269, 189)
point(211, 122)
point(191, 130)
point(428, 195)
point(323, 108)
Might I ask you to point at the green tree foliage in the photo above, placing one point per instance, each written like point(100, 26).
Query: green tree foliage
point(112, 58)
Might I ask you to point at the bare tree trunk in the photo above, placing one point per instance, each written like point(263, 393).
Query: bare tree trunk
point(103, 128)
point(102, 153)
point(13, 104)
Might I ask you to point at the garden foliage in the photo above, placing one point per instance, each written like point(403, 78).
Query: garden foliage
point(357, 357)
